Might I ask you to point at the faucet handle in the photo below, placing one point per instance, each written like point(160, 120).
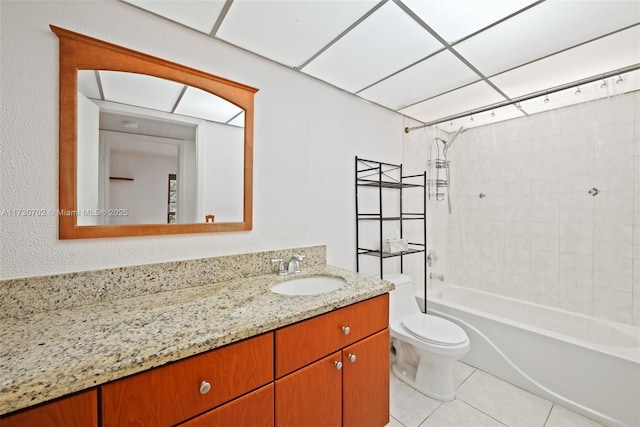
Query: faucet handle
point(282, 270)
point(294, 263)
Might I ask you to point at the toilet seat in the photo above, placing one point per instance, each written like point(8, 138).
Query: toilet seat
point(434, 329)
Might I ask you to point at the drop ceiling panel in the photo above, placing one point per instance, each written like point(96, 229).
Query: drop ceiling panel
point(289, 32)
point(385, 42)
point(600, 56)
point(199, 15)
point(198, 103)
point(455, 19)
point(465, 99)
point(140, 90)
point(238, 120)
point(436, 75)
point(545, 29)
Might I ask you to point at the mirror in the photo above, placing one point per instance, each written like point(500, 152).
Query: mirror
point(148, 146)
point(154, 151)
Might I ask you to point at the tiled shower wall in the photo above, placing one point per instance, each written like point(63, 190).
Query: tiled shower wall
point(537, 233)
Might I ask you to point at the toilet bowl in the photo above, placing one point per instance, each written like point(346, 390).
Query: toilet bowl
point(426, 346)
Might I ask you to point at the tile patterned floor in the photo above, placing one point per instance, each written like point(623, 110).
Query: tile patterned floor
point(481, 400)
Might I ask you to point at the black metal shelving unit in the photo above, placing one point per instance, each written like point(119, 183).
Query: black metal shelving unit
point(389, 177)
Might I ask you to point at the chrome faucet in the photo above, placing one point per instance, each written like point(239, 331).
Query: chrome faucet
point(294, 264)
point(291, 267)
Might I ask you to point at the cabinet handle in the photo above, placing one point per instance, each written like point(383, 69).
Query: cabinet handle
point(346, 330)
point(351, 357)
point(204, 387)
point(338, 365)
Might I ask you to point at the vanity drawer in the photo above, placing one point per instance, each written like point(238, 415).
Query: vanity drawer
point(170, 394)
point(299, 344)
point(255, 409)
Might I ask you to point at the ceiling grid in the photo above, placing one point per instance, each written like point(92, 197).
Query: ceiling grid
point(451, 49)
point(433, 60)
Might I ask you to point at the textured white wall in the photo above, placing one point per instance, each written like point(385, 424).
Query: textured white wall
point(306, 137)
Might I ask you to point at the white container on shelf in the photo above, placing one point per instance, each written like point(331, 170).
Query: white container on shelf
point(393, 246)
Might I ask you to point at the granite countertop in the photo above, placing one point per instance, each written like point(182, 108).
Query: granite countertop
point(51, 354)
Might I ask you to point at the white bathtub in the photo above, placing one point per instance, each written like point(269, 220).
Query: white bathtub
point(589, 365)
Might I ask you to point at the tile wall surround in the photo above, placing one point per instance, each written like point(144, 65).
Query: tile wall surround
point(23, 297)
point(538, 234)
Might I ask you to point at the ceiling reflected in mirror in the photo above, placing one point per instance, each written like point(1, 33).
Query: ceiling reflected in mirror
point(157, 94)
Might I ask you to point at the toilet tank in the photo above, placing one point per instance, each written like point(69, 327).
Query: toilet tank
point(402, 300)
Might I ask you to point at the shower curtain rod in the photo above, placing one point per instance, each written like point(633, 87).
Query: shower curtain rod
point(537, 94)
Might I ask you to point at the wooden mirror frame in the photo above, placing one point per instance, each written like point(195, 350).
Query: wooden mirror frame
point(79, 52)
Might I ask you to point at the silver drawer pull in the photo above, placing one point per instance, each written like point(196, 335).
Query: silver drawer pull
point(346, 330)
point(338, 365)
point(204, 387)
point(351, 357)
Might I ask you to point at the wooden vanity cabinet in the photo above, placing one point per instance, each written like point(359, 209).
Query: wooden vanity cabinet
point(330, 370)
point(78, 410)
point(347, 387)
point(176, 392)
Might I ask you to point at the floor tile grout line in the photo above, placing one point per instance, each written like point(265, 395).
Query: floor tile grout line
point(518, 387)
point(482, 412)
point(462, 401)
point(513, 385)
point(548, 415)
point(468, 376)
point(414, 390)
point(431, 413)
point(397, 420)
point(440, 403)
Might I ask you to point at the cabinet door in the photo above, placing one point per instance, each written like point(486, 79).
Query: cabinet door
point(252, 410)
point(80, 410)
point(304, 342)
point(172, 393)
point(365, 382)
point(312, 396)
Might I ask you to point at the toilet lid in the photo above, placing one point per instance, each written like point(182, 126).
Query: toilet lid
point(434, 329)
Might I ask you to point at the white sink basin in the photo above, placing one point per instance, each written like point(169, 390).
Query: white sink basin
point(308, 286)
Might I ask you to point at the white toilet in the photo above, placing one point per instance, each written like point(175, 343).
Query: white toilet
point(426, 346)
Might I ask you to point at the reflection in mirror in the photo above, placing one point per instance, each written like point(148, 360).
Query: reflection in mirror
point(148, 146)
point(148, 130)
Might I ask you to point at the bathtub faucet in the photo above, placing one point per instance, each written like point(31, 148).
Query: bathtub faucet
point(439, 277)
